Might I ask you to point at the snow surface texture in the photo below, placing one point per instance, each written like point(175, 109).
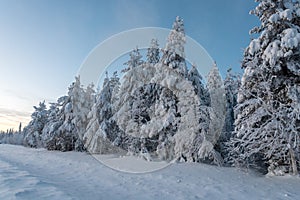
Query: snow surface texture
point(40, 174)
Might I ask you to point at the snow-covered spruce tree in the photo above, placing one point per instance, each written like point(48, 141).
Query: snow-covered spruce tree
point(196, 79)
point(54, 134)
point(216, 90)
point(135, 60)
point(82, 101)
point(267, 116)
point(153, 52)
point(115, 87)
point(211, 119)
point(231, 83)
point(33, 130)
point(173, 53)
point(68, 120)
point(51, 125)
point(97, 138)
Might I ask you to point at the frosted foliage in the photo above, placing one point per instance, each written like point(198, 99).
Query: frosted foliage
point(68, 119)
point(33, 130)
point(150, 99)
point(231, 84)
point(135, 60)
point(214, 79)
point(283, 43)
point(267, 117)
point(147, 109)
point(218, 102)
point(57, 131)
point(81, 105)
point(173, 53)
point(290, 39)
point(272, 53)
point(196, 79)
point(96, 137)
point(153, 52)
point(274, 18)
point(254, 46)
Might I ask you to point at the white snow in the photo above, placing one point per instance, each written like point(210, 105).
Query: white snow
point(286, 14)
point(254, 46)
point(298, 12)
point(291, 38)
point(125, 163)
point(272, 52)
point(40, 174)
point(274, 18)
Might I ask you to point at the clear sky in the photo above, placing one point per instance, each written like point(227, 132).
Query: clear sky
point(44, 42)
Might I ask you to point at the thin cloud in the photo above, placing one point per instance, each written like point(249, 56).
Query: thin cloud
point(10, 118)
point(16, 94)
point(13, 113)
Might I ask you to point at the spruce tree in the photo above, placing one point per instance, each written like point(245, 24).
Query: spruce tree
point(33, 130)
point(153, 52)
point(100, 133)
point(231, 84)
point(267, 123)
point(134, 61)
point(216, 116)
point(173, 53)
point(196, 79)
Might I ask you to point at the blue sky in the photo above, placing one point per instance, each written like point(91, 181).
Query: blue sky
point(44, 42)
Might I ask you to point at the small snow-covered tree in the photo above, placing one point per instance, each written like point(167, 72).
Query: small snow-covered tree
point(20, 127)
point(231, 84)
point(153, 52)
point(134, 61)
point(211, 120)
point(33, 130)
point(267, 119)
point(81, 104)
point(115, 87)
point(217, 100)
point(173, 53)
point(196, 79)
point(100, 133)
point(68, 119)
point(51, 125)
point(57, 134)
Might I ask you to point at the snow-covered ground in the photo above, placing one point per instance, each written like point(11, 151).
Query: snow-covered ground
point(40, 174)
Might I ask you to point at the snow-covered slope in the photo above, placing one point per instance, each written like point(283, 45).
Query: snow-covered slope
point(40, 174)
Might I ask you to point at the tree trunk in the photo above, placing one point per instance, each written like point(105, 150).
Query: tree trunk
point(293, 162)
